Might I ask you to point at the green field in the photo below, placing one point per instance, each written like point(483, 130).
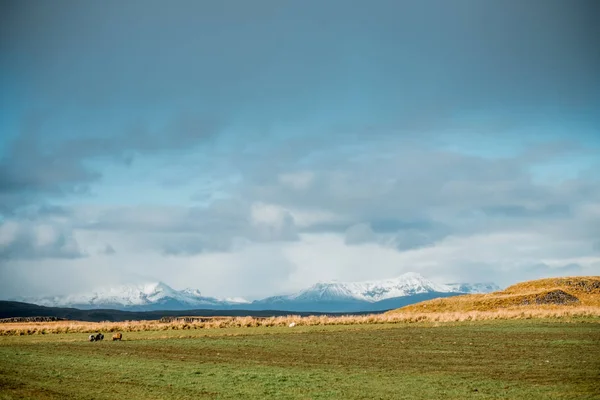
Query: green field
point(487, 359)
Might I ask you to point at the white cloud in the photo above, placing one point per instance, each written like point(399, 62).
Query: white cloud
point(272, 222)
point(24, 239)
point(8, 233)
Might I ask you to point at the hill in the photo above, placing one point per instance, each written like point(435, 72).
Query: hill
point(14, 309)
point(541, 293)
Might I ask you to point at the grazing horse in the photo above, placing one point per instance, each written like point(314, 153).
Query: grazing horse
point(118, 336)
point(92, 338)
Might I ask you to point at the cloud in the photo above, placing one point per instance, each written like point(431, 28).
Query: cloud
point(403, 237)
point(421, 195)
point(545, 211)
point(190, 244)
point(273, 222)
point(235, 59)
point(358, 234)
point(538, 270)
point(222, 226)
point(298, 180)
point(23, 240)
point(413, 239)
point(34, 167)
point(108, 250)
point(394, 202)
point(189, 137)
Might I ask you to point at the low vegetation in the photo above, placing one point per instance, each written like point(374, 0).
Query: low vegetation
point(540, 296)
point(42, 328)
point(509, 359)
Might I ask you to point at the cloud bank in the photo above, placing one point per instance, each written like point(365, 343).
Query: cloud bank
point(254, 149)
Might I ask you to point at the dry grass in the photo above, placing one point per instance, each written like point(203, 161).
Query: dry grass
point(585, 288)
point(567, 293)
point(525, 312)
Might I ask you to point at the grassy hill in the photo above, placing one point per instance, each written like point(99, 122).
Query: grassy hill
point(542, 293)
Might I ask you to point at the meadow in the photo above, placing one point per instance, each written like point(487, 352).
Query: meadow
point(537, 358)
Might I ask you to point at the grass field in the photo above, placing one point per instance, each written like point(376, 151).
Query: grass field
point(515, 359)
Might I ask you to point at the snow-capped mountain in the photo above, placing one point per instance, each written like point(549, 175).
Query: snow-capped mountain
point(370, 295)
point(369, 291)
point(321, 297)
point(486, 287)
point(146, 296)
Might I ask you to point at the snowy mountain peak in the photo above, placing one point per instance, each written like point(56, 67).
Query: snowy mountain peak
point(142, 296)
point(192, 292)
point(408, 284)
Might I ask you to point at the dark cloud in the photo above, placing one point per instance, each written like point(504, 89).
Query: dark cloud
point(150, 52)
point(414, 239)
point(121, 74)
point(34, 166)
point(400, 236)
point(546, 211)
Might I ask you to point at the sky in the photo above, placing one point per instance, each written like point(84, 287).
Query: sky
point(255, 148)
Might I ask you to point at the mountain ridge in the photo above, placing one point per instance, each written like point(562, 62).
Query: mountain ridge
point(141, 296)
point(372, 295)
point(373, 291)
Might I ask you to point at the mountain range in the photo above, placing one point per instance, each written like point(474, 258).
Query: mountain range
point(321, 297)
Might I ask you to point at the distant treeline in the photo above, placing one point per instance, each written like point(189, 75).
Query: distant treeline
point(13, 309)
point(31, 319)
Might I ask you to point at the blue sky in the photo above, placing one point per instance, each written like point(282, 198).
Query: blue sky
point(252, 148)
